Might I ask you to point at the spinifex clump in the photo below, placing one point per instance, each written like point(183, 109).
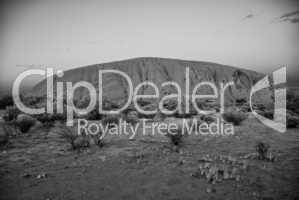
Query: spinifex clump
point(262, 150)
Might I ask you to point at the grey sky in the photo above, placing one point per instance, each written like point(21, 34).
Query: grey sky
point(65, 34)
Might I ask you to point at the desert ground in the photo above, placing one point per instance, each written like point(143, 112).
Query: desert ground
point(41, 165)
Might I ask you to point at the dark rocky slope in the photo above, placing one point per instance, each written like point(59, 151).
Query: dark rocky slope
point(159, 70)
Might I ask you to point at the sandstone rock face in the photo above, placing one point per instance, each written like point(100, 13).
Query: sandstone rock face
point(158, 71)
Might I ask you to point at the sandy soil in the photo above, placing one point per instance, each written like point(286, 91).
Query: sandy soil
point(40, 165)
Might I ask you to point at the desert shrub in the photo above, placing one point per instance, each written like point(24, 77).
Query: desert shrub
point(207, 118)
point(159, 116)
point(32, 101)
point(24, 123)
point(170, 104)
point(176, 136)
point(292, 101)
point(259, 106)
point(245, 107)
point(67, 134)
point(96, 139)
point(93, 139)
point(4, 135)
point(144, 116)
point(268, 114)
point(143, 102)
point(75, 140)
point(94, 115)
point(46, 119)
point(6, 101)
point(109, 105)
point(234, 117)
point(241, 101)
point(110, 120)
point(12, 129)
point(129, 109)
point(100, 143)
point(184, 115)
point(83, 102)
point(80, 142)
point(148, 107)
point(59, 117)
point(292, 120)
point(291, 117)
point(175, 139)
point(11, 113)
point(131, 117)
point(262, 150)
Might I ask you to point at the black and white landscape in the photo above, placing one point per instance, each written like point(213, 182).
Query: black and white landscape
point(151, 61)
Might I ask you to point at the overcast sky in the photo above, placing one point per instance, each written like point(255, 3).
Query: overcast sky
point(261, 35)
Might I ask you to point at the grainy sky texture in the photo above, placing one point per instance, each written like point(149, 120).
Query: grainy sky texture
point(261, 35)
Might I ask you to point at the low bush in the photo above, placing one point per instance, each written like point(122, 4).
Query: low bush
point(147, 107)
point(234, 117)
point(241, 101)
point(144, 116)
point(4, 133)
point(25, 126)
point(80, 142)
point(11, 113)
point(292, 120)
point(268, 114)
point(111, 120)
point(6, 101)
point(262, 150)
point(59, 117)
point(292, 101)
point(46, 119)
point(96, 140)
point(176, 136)
point(24, 122)
point(75, 140)
point(131, 117)
point(94, 115)
point(184, 115)
point(245, 107)
point(175, 139)
point(32, 101)
point(207, 118)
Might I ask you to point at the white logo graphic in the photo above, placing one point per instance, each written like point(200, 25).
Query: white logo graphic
point(279, 121)
point(279, 77)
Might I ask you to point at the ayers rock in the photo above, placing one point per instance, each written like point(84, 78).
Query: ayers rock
point(159, 70)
